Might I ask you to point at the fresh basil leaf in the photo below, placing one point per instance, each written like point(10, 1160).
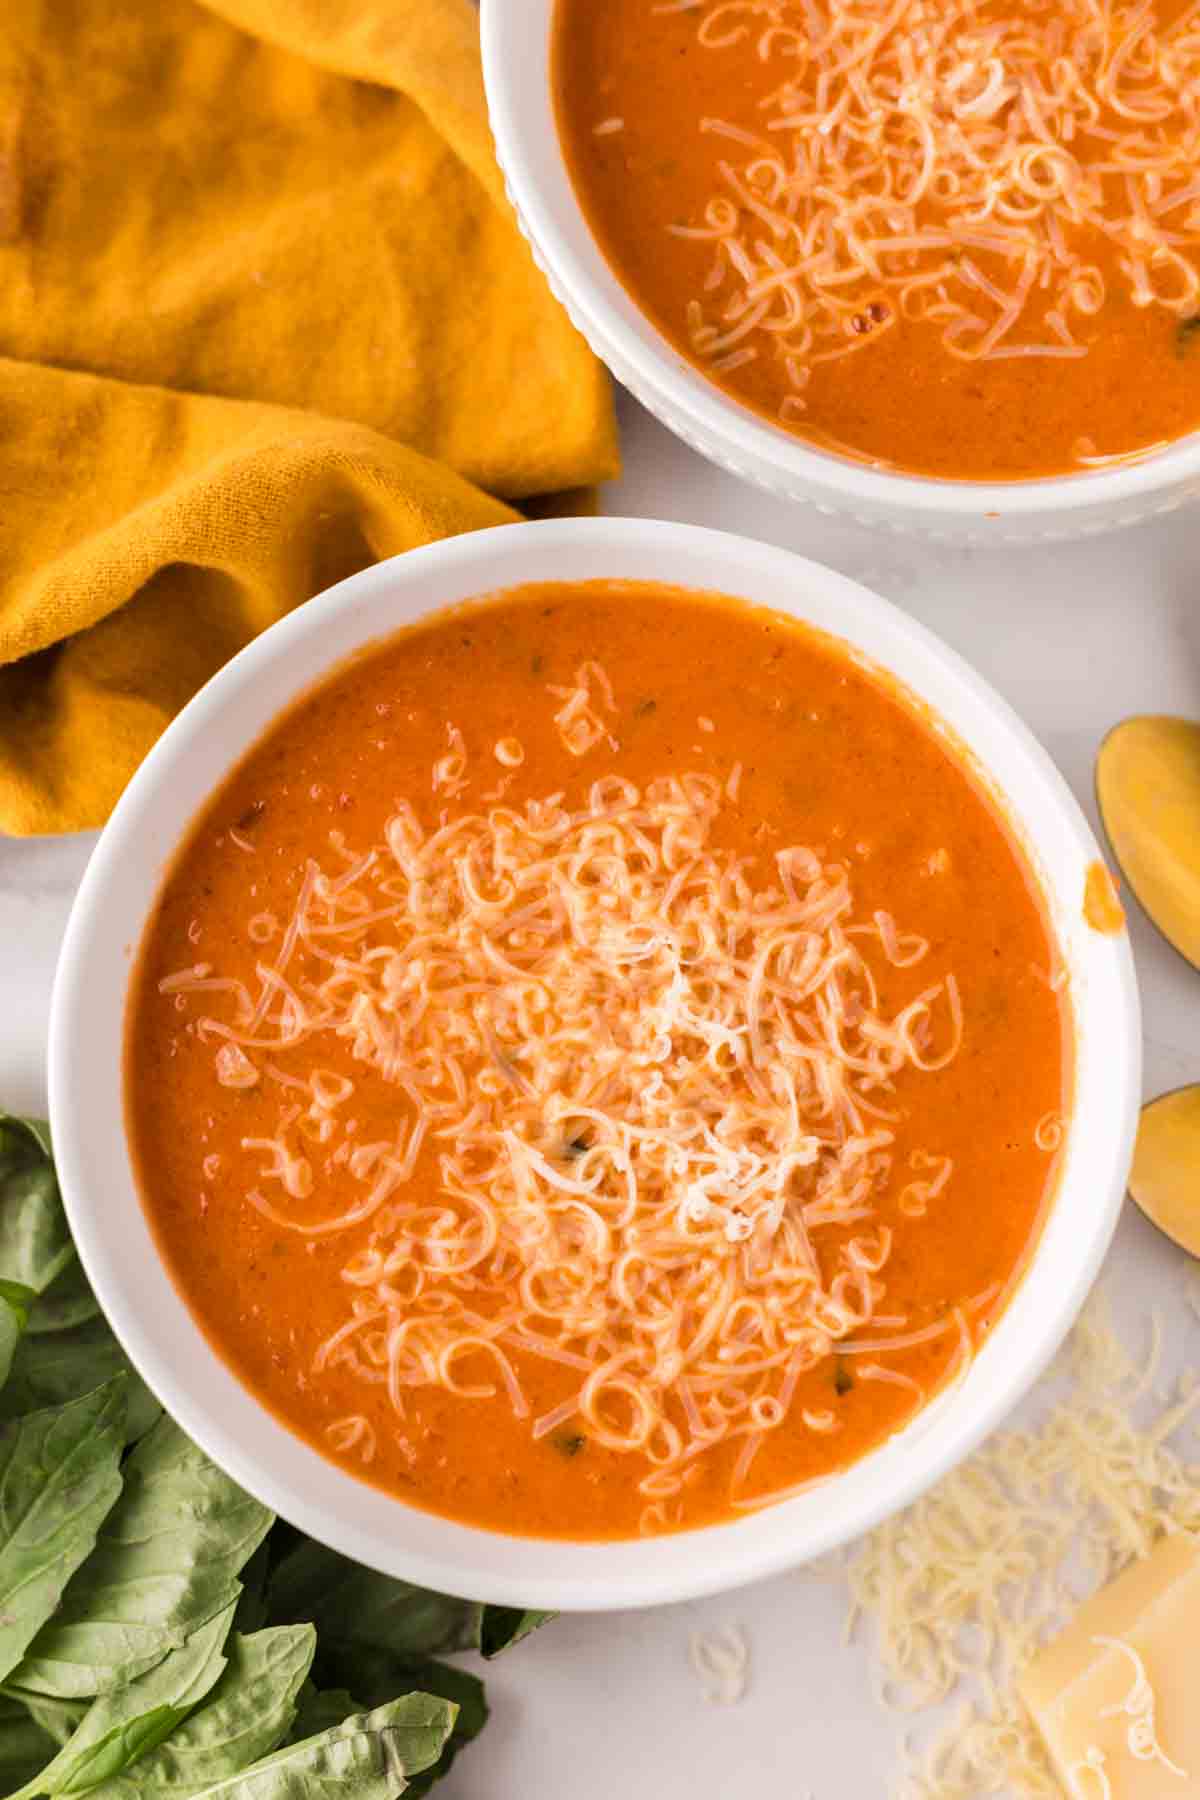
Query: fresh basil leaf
point(355, 1605)
point(50, 1368)
point(502, 1626)
point(369, 1756)
point(252, 1607)
point(321, 1708)
point(10, 1337)
point(166, 1560)
point(24, 1746)
point(247, 1714)
point(15, 1303)
point(123, 1725)
point(37, 1129)
point(377, 1676)
point(68, 1301)
point(59, 1478)
point(19, 1297)
point(35, 1240)
point(59, 1719)
point(35, 1244)
point(464, 1690)
point(471, 1718)
point(373, 1676)
point(318, 1709)
point(283, 1540)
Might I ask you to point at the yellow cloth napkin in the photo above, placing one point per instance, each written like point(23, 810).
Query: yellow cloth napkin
point(265, 317)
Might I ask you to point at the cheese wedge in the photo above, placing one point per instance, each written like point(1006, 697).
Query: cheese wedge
point(1117, 1696)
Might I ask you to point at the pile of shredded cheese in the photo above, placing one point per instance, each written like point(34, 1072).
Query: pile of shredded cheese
point(978, 164)
point(964, 1588)
point(658, 1101)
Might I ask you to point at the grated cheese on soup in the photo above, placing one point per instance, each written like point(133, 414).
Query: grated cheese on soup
point(662, 1098)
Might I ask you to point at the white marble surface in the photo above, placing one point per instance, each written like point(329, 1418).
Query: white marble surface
point(1076, 637)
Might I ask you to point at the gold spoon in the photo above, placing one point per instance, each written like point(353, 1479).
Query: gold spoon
point(1148, 790)
point(1165, 1178)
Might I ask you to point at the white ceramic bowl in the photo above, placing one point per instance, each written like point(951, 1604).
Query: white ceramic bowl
point(516, 60)
point(110, 1226)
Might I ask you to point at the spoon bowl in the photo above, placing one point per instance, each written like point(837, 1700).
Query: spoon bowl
point(1165, 1178)
point(1148, 791)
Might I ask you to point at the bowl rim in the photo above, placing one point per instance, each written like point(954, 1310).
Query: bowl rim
point(517, 81)
point(153, 1322)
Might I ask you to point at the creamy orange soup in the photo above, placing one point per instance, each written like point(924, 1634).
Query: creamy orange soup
point(597, 1063)
point(958, 240)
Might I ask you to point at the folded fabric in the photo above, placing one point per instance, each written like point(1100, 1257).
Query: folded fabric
point(265, 317)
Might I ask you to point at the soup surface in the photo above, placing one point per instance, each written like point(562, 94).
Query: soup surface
point(959, 240)
point(596, 1064)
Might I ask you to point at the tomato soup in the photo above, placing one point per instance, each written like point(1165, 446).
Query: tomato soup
point(597, 1064)
point(960, 241)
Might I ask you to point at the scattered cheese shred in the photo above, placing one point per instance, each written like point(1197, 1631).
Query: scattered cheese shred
point(721, 1660)
point(1139, 1705)
point(1094, 1763)
point(1048, 1135)
point(967, 1585)
point(975, 164)
point(654, 1105)
point(450, 771)
point(578, 718)
point(353, 1433)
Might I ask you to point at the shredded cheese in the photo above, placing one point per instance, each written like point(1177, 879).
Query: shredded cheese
point(1048, 1134)
point(966, 1586)
point(1139, 1705)
point(353, 1433)
point(450, 771)
point(654, 1102)
point(1094, 1763)
point(972, 164)
point(578, 718)
point(721, 1660)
